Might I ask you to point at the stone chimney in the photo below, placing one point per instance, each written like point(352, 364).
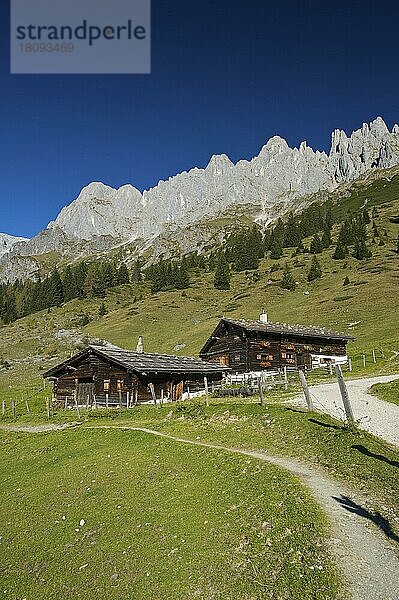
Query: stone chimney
point(263, 316)
point(140, 348)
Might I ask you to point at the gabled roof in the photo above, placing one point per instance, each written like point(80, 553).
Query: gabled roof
point(278, 328)
point(142, 363)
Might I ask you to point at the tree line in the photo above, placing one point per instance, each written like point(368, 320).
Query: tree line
point(83, 280)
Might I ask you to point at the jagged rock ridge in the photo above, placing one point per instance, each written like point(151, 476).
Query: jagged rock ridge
point(102, 217)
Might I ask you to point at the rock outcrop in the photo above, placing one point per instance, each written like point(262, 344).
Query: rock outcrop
point(273, 181)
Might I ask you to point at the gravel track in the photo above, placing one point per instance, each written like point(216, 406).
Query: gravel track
point(372, 414)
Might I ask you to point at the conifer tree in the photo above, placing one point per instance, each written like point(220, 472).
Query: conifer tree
point(346, 281)
point(122, 275)
point(181, 279)
point(326, 238)
point(69, 284)
point(137, 275)
point(102, 310)
point(276, 246)
point(360, 250)
point(315, 271)
point(222, 274)
point(55, 290)
point(340, 251)
point(288, 282)
point(316, 246)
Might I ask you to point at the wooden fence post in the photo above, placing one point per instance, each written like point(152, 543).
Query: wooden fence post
point(128, 399)
point(48, 408)
point(75, 397)
point(285, 378)
point(350, 364)
point(373, 355)
point(106, 400)
point(152, 390)
point(260, 391)
point(3, 408)
point(364, 360)
point(162, 397)
point(120, 398)
point(27, 407)
point(305, 388)
point(206, 391)
point(382, 353)
point(345, 396)
point(13, 408)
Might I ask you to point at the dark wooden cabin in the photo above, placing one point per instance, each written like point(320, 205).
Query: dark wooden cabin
point(108, 375)
point(247, 346)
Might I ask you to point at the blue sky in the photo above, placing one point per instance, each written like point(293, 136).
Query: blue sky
point(226, 76)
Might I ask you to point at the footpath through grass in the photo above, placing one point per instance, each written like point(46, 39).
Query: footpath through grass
point(88, 514)
point(353, 456)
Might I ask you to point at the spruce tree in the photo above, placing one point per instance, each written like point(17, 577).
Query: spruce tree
point(122, 275)
point(315, 271)
point(55, 289)
point(288, 282)
point(69, 284)
point(137, 275)
point(316, 247)
point(360, 250)
point(326, 238)
point(340, 251)
point(346, 281)
point(181, 279)
point(276, 246)
point(222, 274)
point(102, 310)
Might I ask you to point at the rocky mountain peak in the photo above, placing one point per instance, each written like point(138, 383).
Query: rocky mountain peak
point(269, 184)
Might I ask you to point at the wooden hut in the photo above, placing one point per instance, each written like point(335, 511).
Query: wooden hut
point(108, 375)
point(246, 346)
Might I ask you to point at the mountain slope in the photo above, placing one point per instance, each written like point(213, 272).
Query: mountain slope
point(8, 241)
point(265, 187)
point(179, 322)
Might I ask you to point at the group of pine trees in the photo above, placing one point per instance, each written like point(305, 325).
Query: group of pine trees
point(168, 275)
point(83, 280)
point(241, 251)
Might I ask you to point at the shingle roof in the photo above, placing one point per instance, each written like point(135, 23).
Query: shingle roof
point(145, 362)
point(300, 330)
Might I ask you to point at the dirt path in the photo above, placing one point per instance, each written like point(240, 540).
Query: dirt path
point(369, 562)
point(38, 428)
point(374, 415)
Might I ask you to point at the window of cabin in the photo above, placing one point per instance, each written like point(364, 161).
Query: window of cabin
point(106, 385)
point(264, 357)
point(119, 384)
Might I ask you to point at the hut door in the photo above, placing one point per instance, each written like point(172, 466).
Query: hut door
point(84, 391)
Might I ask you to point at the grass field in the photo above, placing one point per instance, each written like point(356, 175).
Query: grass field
point(352, 456)
point(387, 391)
point(88, 514)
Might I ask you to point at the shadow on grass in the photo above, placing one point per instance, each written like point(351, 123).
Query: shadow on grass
point(297, 410)
point(375, 517)
point(338, 427)
point(367, 452)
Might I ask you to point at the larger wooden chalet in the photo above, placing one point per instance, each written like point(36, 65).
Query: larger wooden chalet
point(246, 346)
point(108, 375)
